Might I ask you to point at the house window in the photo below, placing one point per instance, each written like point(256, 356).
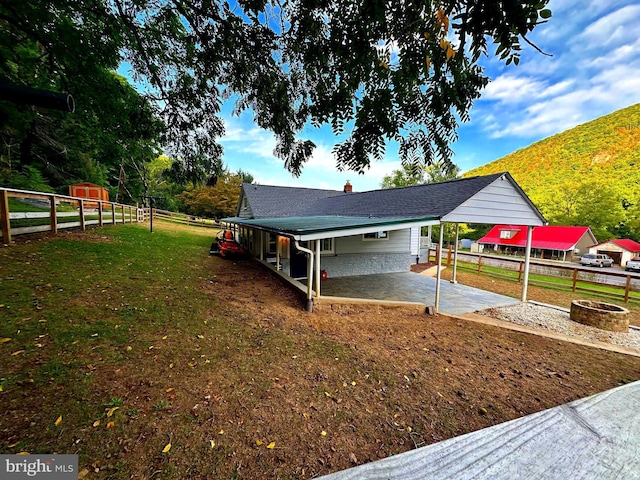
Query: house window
point(384, 235)
point(326, 246)
point(271, 246)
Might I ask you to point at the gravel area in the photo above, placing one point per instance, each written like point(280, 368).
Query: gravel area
point(557, 320)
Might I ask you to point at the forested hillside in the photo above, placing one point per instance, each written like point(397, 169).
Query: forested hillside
point(589, 175)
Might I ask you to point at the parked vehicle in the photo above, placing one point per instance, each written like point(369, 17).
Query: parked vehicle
point(596, 260)
point(633, 265)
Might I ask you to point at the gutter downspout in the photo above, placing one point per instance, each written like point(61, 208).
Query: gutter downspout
point(318, 245)
point(309, 274)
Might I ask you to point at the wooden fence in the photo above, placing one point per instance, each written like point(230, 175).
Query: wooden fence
point(615, 285)
point(183, 218)
point(23, 212)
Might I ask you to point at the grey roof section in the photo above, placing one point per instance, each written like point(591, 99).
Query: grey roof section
point(431, 200)
point(269, 201)
point(594, 438)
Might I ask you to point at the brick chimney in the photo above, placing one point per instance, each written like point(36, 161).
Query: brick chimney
point(347, 187)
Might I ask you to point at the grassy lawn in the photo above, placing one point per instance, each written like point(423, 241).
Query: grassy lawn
point(151, 359)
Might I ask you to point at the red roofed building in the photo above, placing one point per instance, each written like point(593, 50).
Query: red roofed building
point(550, 242)
point(621, 250)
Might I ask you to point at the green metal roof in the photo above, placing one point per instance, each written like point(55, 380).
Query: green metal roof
point(301, 226)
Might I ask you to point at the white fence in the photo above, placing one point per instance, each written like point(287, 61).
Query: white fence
point(23, 212)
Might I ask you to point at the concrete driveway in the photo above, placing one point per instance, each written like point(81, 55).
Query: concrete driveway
point(455, 299)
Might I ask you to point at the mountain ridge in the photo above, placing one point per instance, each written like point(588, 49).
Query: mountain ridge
point(593, 166)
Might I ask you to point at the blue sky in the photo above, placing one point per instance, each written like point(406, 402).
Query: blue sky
point(594, 70)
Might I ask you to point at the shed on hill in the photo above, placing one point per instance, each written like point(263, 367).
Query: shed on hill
point(621, 250)
point(89, 191)
point(550, 242)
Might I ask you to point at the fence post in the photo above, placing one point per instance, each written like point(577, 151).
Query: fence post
point(113, 213)
point(520, 272)
point(479, 263)
point(627, 288)
point(81, 211)
point(123, 217)
point(449, 257)
point(575, 280)
point(100, 219)
point(4, 217)
point(52, 209)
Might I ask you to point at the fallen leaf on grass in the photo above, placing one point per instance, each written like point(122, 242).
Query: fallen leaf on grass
point(164, 338)
point(58, 421)
point(18, 352)
point(213, 444)
point(112, 411)
point(170, 389)
point(258, 442)
point(221, 432)
point(96, 423)
point(200, 336)
point(5, 340)
point(14, 444)
point(83, 473)
point(323, 433)
point(271, 446)
point(111, 424)
point(166, 448)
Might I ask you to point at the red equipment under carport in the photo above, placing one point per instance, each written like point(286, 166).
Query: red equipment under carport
point(226, 245)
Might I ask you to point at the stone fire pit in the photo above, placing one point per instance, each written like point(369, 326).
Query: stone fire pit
point(600, 315)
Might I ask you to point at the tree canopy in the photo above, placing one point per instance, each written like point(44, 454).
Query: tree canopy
point(375, 70)
point(407, 175)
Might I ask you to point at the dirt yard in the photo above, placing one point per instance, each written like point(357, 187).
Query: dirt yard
point(252, 386)
point(356, 384)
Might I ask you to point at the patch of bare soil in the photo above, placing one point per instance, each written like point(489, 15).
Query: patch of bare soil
point(297, 395)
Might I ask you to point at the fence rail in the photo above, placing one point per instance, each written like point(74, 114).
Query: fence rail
point(616, 285)
point(23, 212)
point(184, 218)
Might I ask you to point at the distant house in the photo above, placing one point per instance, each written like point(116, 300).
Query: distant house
point(89, 191)
point(305, 233)
point(547, 242)
point(621, 250)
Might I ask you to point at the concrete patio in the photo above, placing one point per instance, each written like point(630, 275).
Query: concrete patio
point(455, 299)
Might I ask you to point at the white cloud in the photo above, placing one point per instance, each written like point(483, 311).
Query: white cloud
point(510, 88)
point(613, 29)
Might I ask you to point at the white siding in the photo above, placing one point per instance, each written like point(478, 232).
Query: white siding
point(398, 242)
point(498, 203)
point(415, 241)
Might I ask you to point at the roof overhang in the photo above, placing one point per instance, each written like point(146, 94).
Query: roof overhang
point(316, 228)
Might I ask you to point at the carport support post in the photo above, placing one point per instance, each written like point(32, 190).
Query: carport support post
point(455, 256)
point(439, 268)
point(527, 261)
point(318, 244)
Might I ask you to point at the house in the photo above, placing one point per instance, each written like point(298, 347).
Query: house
point(621, 250)
point(547, 242)
point(308, 233)
point(89, 191)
